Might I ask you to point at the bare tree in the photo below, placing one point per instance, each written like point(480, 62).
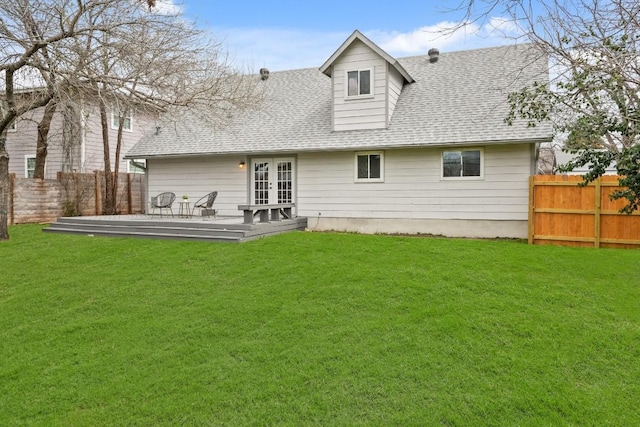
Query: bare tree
point(113, 51)
point(31, 30)
point(159, 64)
point(71, 139)
point(593, 99)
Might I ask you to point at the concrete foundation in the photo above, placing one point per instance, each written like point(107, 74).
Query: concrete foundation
point(442, 227)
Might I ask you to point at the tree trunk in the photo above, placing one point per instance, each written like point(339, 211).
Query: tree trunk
point(4, 188)
point(109, 205)
point(43, 135)
point(116, 168)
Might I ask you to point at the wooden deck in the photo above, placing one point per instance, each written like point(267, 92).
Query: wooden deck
point(222, 229)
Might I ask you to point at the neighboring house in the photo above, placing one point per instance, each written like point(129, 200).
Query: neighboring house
point(74, 141)
point(546, 163)
point(562, 158)
point(370, 143)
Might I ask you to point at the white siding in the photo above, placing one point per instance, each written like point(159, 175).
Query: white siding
point(196, 177)
point(23, 142)
point(395, 87)
point(413, 198)
point(366, 113)
point(413, 188)
point(94, 148)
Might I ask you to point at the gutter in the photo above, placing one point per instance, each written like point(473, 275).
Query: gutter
point(331, 149)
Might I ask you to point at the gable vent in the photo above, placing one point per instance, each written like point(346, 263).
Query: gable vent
point(433, 55)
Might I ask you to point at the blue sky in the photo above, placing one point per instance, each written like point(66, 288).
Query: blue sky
point(286, 34)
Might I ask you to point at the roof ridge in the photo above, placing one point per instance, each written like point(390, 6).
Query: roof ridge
point(450, 52)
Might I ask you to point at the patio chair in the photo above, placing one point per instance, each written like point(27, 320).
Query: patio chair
point(163, 201)
point(205, 204)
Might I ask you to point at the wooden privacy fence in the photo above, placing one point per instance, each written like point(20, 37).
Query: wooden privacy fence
point(43, 200)
point(561, 212)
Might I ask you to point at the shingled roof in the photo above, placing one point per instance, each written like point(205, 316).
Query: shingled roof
point(461, 99)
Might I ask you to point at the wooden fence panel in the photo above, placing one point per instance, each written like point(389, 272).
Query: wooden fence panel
point(36, 200)
point(561, 212)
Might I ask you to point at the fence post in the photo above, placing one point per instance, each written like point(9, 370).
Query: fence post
point(98, 194)
point(597, 212)
point(129, 197)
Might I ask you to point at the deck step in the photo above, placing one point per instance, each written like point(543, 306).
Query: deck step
point(170, 229)
point(146, 230)
point(131, 233)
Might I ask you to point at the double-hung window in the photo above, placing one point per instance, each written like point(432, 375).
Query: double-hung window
point(117, 113)
point(359, 83)
point(29, 166)
point(370, 166)
point(463, 163)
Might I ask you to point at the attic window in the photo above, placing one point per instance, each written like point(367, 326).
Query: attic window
point(359, 82)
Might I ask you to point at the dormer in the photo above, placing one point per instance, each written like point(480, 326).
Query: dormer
point(366, 83)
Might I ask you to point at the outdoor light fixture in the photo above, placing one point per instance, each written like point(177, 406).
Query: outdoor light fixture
point(241, 165)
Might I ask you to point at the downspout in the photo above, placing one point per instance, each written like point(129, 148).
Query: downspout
point(83, 126)
point(146, 200)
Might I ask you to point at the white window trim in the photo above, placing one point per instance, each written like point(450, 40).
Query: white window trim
point(13, 127)
point(114, 119)
point(137, 161)
point(462, 178)
point(27, 157)
point(371, 84)
point(368, 153)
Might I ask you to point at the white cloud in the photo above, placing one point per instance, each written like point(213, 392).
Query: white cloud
point(167, 7)
point(419, 41)
point(446, 36)
point(283, 49)
point(503, 27)
point(278, 49)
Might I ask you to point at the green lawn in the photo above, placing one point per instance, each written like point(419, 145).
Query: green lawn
point(316, 329)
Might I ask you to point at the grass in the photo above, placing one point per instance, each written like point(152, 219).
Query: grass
point(316, 329)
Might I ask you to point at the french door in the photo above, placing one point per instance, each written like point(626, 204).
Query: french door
point(272, 181)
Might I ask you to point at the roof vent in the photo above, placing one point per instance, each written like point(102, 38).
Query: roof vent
point(433, 55)
point(264, 73)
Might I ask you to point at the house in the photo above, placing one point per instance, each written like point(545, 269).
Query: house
point(370, 143)
point(546, 163)
point(74, 140)
point(562, 158)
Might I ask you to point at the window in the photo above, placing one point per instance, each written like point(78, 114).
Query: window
point(136, 166)
point(359, 83)
point(116, 113)
point(29, 166)
point(12, 127)
point(462, 163)
point(370, 167)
